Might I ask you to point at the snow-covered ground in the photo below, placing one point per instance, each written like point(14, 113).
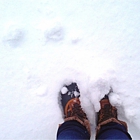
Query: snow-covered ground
point(46, 43)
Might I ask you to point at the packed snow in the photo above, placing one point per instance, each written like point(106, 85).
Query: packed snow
point(45, 44)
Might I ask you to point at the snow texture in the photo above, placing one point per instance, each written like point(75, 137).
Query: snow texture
point(48, 43)
point(76, 94)
point(64, 90)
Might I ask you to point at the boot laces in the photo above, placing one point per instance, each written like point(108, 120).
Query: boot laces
point(77, 110)
point(107, 112)
point(74, 109)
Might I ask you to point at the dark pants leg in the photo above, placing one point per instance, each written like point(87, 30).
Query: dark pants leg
point(113, 131)
point(72, 130)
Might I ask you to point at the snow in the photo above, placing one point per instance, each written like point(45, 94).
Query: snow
point(46, 44)
point(64, 90)
point(76, 94)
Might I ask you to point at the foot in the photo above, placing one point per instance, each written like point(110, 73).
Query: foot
point(71, 105)
point(107, 111)
point(69, 92)
point(107, 114)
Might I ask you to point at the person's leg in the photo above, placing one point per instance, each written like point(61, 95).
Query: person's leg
point(72, 130)
point(76, 124)
point(113, 131)
point(108, 125)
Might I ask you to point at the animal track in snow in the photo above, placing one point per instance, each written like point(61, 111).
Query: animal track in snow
point(13, 36)
point(55, 34)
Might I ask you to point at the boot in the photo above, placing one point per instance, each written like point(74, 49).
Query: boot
point(107, 114)
point(71, 105)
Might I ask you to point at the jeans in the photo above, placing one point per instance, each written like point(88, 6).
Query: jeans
point(73, 130)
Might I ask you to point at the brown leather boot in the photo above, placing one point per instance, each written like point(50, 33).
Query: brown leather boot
point(107, 114)
point(72, 107)
point(73, 111)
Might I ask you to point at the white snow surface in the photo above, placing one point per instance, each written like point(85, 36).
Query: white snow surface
point(64, 90)
point(45, 44)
